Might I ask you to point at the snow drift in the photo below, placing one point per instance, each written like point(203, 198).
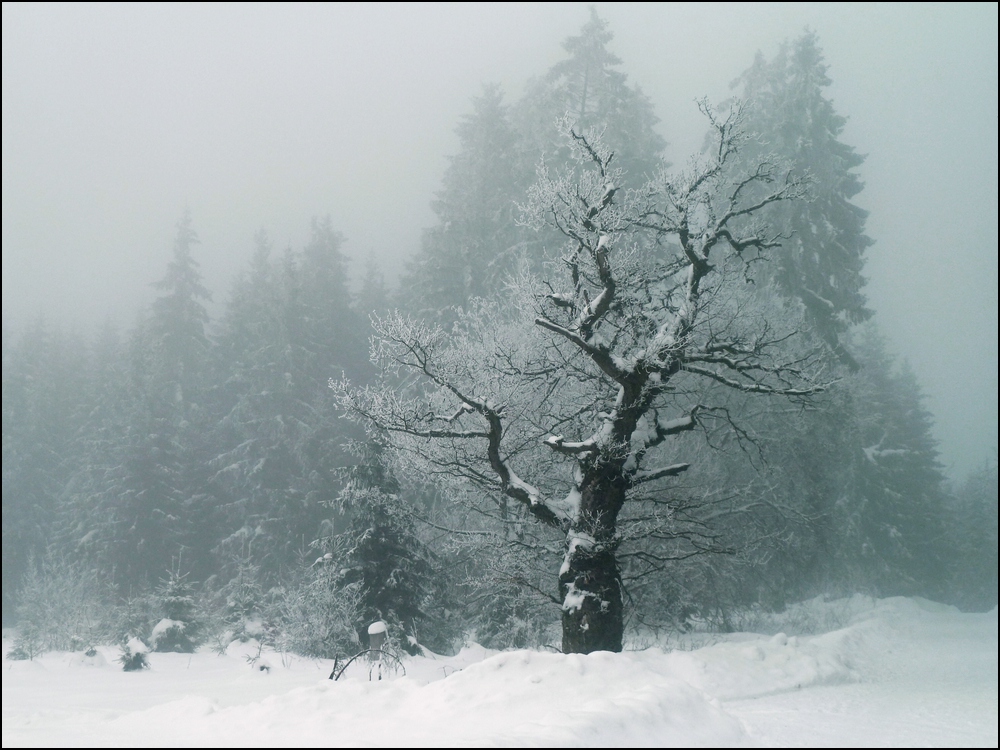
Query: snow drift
point(738, 690)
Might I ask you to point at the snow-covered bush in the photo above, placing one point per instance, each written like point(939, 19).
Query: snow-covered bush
point(133, 656)
point(171, 635)
point(27, 643)
point(317, 617)
point(62, 606)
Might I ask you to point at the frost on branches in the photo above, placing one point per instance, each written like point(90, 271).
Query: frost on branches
point(562, 394)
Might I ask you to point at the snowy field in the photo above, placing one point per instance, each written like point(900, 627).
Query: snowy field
point(894, 672)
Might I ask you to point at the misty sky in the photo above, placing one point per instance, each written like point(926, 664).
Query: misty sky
point(116, 118)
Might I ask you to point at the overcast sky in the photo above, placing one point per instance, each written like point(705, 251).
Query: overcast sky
point(116, 118)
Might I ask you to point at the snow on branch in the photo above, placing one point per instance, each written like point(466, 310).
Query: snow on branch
point(670, 427)
point(756, 387)
point(404, 344)
point(585, 447)
point(385, 410)
point(598, 353)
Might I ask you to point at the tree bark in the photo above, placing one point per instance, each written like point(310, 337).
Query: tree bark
point(590, 583)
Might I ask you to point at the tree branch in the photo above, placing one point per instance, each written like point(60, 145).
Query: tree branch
point(599, 354)
point(755, 387)
point(641, 477)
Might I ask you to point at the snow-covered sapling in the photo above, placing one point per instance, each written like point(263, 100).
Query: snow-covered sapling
point(178, 630)
point(133, 656)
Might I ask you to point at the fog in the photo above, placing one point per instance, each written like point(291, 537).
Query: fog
point(118, 118)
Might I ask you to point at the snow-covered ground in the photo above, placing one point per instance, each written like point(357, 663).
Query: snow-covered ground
point(895, 672)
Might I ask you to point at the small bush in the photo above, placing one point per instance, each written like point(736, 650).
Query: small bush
point(27, 643)
point(63, 606)
point(317, 617)
point(170, 636)
point(133, 656)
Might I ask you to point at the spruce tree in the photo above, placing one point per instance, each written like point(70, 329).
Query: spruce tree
point(46, 379)
point(147, 483)
point(380, 553)
point(178, 320)
point(821, 258)
point(473, 248)
point(892, 511)
point(179, 629)
point(589, 88)
point(329, 325)
point(972, 550)
point(262, 412)
point(276, 440)
point(89, 523)
point(373, 298)
point(474, 243)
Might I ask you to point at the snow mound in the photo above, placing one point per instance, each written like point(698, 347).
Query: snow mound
point(527, 697)
point(92, 658)
point(748, 665)
point(512, 698)
point(761, 665)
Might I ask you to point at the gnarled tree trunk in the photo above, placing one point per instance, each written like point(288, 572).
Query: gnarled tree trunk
point(590, 583)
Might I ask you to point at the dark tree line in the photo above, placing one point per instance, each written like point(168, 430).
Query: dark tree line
point(174, 442)
point(186, 450)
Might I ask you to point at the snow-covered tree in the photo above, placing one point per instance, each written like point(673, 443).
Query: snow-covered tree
point(263, 408)
point(178, 320)
point(822, 260)
point(178, 629)
point(49, 388)
point(158, 487)
point(891, 513)
point(137, 494)
point(583, 378)
point(373, 297)
point(380, 553)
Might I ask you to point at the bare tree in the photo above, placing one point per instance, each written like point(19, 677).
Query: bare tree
point(603, 359)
